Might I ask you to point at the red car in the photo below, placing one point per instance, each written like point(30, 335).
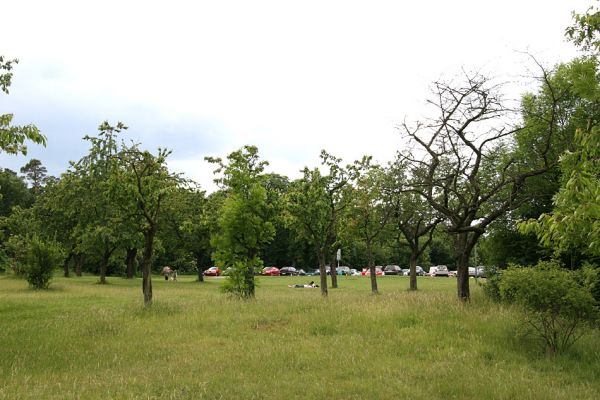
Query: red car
point(367, 272)
point(270, 271)
point(212, 271)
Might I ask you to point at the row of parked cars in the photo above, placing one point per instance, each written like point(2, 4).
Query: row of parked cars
point(438, 270)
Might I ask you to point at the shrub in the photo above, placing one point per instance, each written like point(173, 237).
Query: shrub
point(556, 306)
point(41, 259)
point(240, 282)
point(589, 277)
point(491, 288)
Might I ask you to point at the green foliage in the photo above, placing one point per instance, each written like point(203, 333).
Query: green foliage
point(12, 138)
point(491, 287)
point(13, 192)
point(585, 30)
point(575, 220)
point(556, 306)
point(589, 277)
point(238, 282)
point(41, 260)
point(245, 223)
point(36, 173)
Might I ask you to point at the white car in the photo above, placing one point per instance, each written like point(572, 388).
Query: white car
point(438, 270)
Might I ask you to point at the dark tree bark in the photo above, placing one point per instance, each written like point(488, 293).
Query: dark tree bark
point(130, 262)
point(78, 264)
point(322, 272)
point(104, 264)
point(149, 234)
point(200, 270)
point(371, 266)
point(66, 263)
point(333, 270)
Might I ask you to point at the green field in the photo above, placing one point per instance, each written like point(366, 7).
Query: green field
point(82, 340)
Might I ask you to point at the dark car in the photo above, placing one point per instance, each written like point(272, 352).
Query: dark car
point(288, 271)
point(392, 270)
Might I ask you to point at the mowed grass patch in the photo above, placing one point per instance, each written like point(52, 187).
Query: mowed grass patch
point(89, 341)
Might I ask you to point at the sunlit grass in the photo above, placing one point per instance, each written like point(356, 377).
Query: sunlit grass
point(83, 340)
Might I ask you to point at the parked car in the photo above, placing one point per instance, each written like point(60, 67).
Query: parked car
point(393, 270)
point(354, 272)
point(288, 271)
point(212, 271)
point(270, 271)
point(453, 274)
point(302, 272)
point(438, 270)
point(418, 269)
point(343, 270)
point(314, 272)
point(378, 272)
point(477, 271)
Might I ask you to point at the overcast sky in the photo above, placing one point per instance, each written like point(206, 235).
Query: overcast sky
point(291, 77)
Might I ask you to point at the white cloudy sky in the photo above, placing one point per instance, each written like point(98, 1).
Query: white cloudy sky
point(292, 77)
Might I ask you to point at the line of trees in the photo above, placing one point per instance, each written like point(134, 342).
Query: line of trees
point(454, 194)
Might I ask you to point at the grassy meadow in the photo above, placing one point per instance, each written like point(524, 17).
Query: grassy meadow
point(80, 340)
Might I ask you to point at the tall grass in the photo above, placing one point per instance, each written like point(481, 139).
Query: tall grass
point(88, 341)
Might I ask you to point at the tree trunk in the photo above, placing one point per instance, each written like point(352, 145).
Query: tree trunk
point(462, 253)
point(333, 269)
point(66, 265)
point(147, 264)
point(249, 280)
point(199, 269)
point(130, 262)
point(104, 267)
point(322, 273)
point(371, 265)
point(413, 269)
point(78, 264)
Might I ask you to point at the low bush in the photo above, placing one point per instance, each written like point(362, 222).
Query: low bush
point(556, 306)
point(491, 288)
point(240, 281)
point(42, 257)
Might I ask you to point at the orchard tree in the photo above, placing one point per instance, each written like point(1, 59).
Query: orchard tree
point(370, 208)
point(314, 207)
point(142, 185)
point(413, 218)
point(245, 223)
point(309, 215)
point(100, 220)
point(464, 163)
point(13, 137)
point(186, 232)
